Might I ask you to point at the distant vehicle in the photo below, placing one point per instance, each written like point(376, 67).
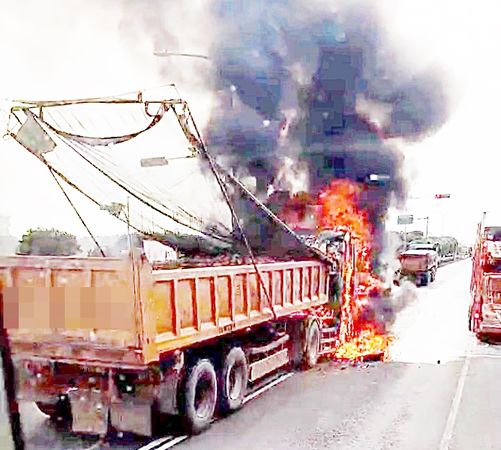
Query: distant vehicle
point(424, 246)
point(464, 251)
point(446, 247)
point(419, 265)
point(484, 314)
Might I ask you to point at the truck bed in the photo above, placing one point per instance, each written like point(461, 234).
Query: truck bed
point(122, 312)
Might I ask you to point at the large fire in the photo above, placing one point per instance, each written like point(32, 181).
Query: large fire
point(359, 336)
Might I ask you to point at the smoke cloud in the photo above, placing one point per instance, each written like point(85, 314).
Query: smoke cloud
point(320, 86)
point(309, 82)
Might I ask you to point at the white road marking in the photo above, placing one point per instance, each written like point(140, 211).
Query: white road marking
point(479, 355)
point(266, 387)
point(169, 441)
point(170, 444)
point(154, 444)
point(451, 420)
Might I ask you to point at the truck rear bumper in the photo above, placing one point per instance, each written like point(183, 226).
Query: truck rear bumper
point(90, 411)
point(419, 273)
point(491, 329)
point(92, 406)
point(421, 277)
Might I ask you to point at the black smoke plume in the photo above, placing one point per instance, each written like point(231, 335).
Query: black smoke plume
point(291, 78)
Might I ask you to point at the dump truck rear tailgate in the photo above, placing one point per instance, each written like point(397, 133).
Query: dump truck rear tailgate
point(70, 308)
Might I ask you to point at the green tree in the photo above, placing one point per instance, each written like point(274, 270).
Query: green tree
point(45, 242)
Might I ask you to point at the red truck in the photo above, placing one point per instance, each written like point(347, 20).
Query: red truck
point(484, 314)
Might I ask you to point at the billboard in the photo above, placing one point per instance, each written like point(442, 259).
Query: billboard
point(406, 219)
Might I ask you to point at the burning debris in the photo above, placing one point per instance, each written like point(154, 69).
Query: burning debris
point(362, 334)
point(367, 346)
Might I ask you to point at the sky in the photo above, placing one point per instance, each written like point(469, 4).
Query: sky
point(75, 48)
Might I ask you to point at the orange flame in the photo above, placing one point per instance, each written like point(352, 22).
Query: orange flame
point(358, 338)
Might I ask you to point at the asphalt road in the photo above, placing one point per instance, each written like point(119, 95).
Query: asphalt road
point(441, 390)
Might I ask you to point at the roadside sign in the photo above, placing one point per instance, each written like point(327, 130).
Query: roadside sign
point(407, 219)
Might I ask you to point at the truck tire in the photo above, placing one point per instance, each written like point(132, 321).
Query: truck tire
point(234, 379)
point(312, 345)
point(295, 331)
point(46, 408)
point(59, 412)
point(199, 396)
point(475, 325)
point(433, 275)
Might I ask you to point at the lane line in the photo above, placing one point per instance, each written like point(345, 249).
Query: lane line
point(266, 387)
point(172, 443)
point(485, 356)
point(451, 420)
point(154, 444)
point(169, 441)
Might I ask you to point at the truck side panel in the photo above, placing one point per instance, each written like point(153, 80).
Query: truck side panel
point(91, 310)
point(192, 305)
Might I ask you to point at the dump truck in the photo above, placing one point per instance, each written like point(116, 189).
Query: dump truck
point(446, 247)
point(118, 342)
point(112, 343)
point(419, 264)
point(484, 313)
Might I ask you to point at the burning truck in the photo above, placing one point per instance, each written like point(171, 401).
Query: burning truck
point(115, 343)
point(106, 343)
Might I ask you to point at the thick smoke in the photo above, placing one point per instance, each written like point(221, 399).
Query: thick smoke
point(313, 82)
point(319, 86)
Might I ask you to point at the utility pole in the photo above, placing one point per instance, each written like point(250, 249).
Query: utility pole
point(427, 218)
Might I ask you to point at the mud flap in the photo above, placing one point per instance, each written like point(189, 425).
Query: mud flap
point(133, 417)
point(89, 412)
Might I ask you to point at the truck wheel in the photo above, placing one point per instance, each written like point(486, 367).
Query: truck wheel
point(233, 380)
point(295, 331)
point(475, 325)
point(312, 345)
point(482, 337)
point(433, 275)
point(47, 408)
point(199, 396)
point(59, 412)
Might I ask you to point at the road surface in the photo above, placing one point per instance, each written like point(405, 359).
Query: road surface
point(441, 390)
